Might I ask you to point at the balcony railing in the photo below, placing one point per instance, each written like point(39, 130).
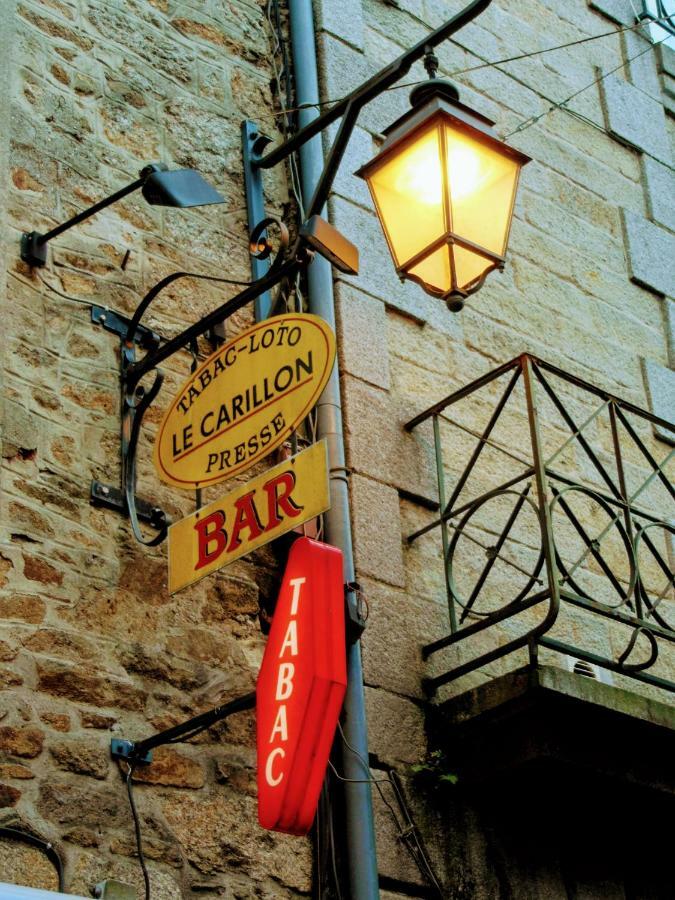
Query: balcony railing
point(561, 519)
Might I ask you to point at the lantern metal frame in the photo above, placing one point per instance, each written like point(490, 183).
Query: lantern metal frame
point(435, 103)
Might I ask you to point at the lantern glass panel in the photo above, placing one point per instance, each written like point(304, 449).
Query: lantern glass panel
point(469, 266)
point(408, 191)
point(434, 271)
point(482, 184)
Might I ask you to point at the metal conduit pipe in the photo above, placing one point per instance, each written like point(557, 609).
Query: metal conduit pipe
point(360, 838)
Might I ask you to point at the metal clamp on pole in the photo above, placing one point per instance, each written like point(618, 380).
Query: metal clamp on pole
point(356, 611)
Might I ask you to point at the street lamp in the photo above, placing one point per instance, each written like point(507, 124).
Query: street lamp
point(444, 186)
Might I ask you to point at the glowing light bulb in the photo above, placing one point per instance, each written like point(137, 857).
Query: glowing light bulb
point(464, 170)
point(419, 176)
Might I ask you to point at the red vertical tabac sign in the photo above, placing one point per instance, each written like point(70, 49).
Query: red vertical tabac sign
point(301, 687)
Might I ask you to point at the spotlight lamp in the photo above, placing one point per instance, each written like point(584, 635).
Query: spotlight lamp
point(160, 187)
point(444, 187)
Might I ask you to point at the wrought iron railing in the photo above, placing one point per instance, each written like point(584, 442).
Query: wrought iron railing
point(585, 526)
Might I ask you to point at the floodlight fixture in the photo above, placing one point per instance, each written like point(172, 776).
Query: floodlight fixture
point(159, 186)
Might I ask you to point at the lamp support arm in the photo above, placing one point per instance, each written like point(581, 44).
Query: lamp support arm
point(140, 751)
point(352, 105)
point(92, 210)
point(34, 243)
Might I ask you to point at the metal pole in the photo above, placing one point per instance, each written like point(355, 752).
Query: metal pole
point(440, 476)
point(360, 831)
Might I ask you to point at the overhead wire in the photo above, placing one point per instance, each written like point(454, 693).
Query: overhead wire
point(486, 64)
point(527, 123)
point(495, 64)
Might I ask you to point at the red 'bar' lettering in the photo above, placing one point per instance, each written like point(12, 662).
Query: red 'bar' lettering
point(279, 492)
point(246, 517)
point(208, 536)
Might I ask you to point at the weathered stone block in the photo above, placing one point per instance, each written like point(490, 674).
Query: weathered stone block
point(171, 768)
point(660, 388)
point(379, 445)
point(669, 325)
point(24, 607)
point(395, 727)
point(344, 20)
point(87, 685)
point(9, 796)
point(37, 569)
point(667, 60)
point(660, 191)
point(360, 150)
point(634, 118)
point(362, 329)
point(96, 720)
point(220, 833)
point(377, 530)
point(57, 721)
point(651, 253)
point(642, 68)
point(25, 740)
point(621, 11)
point(161, 666)
point(12, 770)
point(399, 625)
point(84, 757)
point(20, 431)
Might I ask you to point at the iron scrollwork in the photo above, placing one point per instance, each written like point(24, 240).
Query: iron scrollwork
point(136, 399)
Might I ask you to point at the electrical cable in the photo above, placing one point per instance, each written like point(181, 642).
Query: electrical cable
point(137, 831)
point(486, 64)
point(411, 832)
point(333, 859)
point(47, 848)
point(60, 293)
point(417, 851)
point(495, 64)
point(121, 315)
point(527, 123)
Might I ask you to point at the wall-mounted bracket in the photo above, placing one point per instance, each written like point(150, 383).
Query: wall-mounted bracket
point(356, 611)
point(113, 498)
point(141, 751)
point(133, 406)
point(119, 325)
point(252, 145)
point(121, 749)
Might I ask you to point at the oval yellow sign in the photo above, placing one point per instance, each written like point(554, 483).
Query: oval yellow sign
point(244, 401)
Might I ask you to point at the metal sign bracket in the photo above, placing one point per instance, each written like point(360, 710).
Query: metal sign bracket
point(133, 407)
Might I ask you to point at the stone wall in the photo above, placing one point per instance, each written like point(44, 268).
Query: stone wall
point(588, 286)
point(91, 644)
